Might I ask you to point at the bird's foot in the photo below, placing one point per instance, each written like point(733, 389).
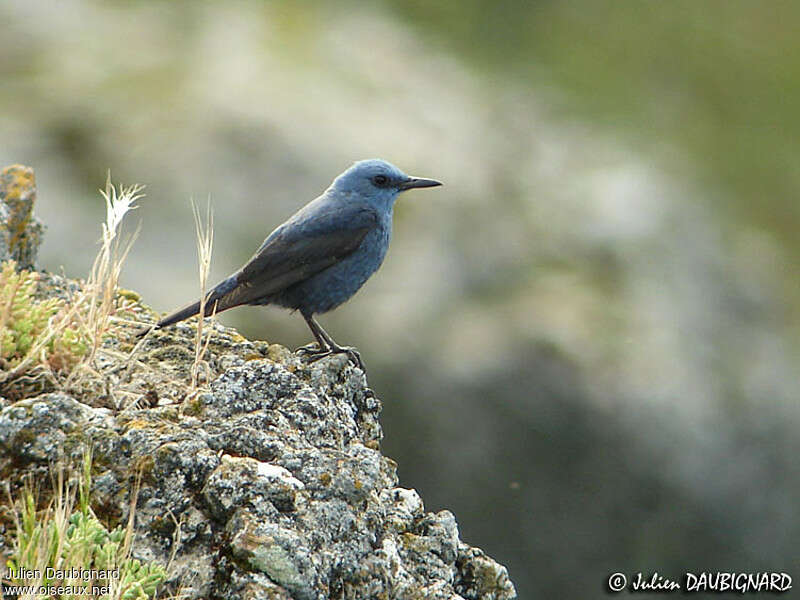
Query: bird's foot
point(311, 349)
point(355, 358)
point(352, 354)
point(313, 353)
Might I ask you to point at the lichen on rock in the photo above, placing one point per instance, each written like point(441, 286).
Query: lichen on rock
point(270, 481)
point(20, 231)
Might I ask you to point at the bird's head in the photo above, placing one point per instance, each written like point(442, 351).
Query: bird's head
point(378, 179)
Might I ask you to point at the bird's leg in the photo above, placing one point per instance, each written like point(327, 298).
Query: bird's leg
point(319, 334)
point(327, 346)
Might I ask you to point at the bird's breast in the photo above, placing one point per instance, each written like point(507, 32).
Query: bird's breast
point(335, 285)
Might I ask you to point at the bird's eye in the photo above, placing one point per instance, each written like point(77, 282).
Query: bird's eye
point(380, 180)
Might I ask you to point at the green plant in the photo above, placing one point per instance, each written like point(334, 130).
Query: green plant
point(35, 330)
point(54, 341)
point(68, 546)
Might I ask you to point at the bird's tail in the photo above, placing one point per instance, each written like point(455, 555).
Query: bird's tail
point(212, 301)
point(182, 314)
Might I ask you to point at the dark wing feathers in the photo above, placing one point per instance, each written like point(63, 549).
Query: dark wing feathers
point(308, 243)
point(317, 237)
point(282, 263)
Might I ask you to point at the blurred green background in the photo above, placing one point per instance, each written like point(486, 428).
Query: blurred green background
point(586, 343)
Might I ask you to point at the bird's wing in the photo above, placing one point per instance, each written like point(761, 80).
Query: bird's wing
point(297, 250)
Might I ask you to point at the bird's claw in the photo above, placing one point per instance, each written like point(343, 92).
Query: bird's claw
point(313, 353)
point(354, 357)
point(311, 349)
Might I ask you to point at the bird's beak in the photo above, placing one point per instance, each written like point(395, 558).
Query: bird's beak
point(418, 182)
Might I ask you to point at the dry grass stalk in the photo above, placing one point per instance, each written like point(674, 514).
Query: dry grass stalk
point(99, 292)
point(205, 244)
point(101, 287)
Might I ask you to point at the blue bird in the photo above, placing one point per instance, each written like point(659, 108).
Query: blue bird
point(321, 255)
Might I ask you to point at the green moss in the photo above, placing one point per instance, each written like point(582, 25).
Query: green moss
point(74, 440)
point(24, 321)
point(168, 413)
point(193, 406)
point(414, 543)
point(171, 353)
point(276, 562)
point(129, 295)
point(24, 437)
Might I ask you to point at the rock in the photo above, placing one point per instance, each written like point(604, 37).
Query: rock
point(20, 231)
point(481, 577)
point(46, 428)
point(273, 486)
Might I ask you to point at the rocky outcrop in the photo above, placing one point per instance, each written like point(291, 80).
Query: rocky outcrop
point(268, 484)
point(267, 481)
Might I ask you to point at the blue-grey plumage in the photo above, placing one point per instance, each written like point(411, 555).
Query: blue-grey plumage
point(322, 255)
